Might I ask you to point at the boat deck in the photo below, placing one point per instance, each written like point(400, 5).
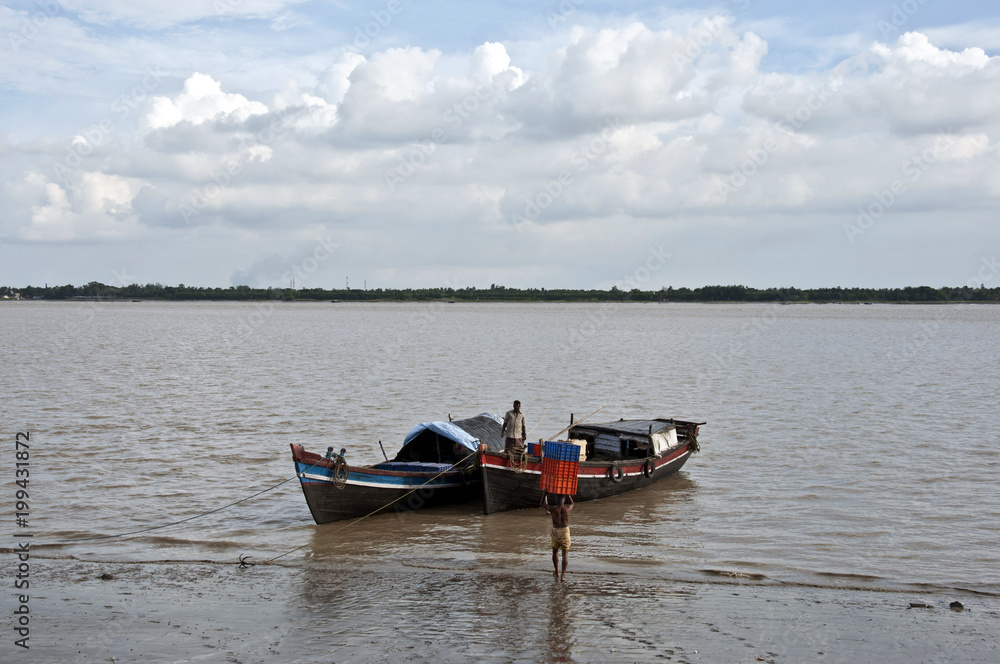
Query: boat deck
point(413, 466)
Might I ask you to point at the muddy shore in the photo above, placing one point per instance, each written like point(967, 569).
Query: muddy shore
point(307, 612)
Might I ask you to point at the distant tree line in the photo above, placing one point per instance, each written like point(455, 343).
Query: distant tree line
point(495, 293)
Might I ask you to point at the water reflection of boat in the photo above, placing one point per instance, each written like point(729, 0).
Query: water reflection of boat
point(620, 457)
point(641, 528)
point(436, 464)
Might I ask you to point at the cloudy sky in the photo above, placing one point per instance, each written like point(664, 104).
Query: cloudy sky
point(570, 143)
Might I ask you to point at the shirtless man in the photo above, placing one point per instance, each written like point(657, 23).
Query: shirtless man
point(560, 529)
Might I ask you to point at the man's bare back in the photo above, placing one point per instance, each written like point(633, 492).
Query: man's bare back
point(560, 512)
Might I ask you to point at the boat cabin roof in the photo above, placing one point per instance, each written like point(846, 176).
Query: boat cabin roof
point(436, 441)
point(627, 427)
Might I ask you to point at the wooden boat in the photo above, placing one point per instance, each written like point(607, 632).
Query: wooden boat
point(620, 456)
point(436, 464)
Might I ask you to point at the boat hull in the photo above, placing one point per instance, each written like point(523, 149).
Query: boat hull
point(356, 491)
point(511, 487)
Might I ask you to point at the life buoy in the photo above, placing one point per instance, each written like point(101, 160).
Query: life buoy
point(615, 473)
point(649, 467)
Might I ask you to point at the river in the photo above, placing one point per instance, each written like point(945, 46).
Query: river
point(849, 447)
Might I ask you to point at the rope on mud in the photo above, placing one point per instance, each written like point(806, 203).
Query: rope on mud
point(389, 504)
point(190, 518)
point(244, 560)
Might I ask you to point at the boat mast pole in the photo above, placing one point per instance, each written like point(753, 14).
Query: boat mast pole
point(581, 420)
point(536, 426)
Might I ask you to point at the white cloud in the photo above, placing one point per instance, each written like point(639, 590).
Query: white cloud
point(631, 71)
point(915, 47)
point(336, 78)
point(907, 88)
point(490, 60)
point(90, 205)
point(395, 75)
point(617, 134)
point(201, 100)
point(965, 148)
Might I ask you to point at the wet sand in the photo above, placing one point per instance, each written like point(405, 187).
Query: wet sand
point(308, 611)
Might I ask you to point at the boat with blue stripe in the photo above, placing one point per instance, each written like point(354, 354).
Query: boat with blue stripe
point(437, 464)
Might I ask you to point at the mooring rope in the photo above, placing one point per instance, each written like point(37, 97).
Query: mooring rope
point(244, 560)
point(340, 473)
point(389, 504)
point(518, 459)
point(190, 518)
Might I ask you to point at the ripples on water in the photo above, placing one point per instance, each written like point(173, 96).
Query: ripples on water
point(845, 444)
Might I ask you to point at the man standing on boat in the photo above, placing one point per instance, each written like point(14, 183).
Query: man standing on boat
point(513, 430)
point(560, 529)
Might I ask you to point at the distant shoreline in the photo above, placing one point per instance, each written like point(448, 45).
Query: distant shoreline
point(98, 292)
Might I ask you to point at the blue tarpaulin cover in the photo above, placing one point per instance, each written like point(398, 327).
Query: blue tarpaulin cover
point(449, 431)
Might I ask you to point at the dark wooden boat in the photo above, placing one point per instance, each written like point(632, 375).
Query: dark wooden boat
point(436, 464)
point(620, 456)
